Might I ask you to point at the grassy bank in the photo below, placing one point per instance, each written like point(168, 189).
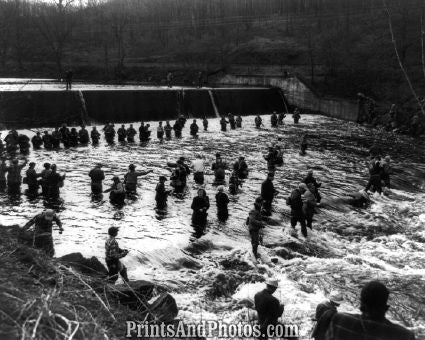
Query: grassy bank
point(42, 299)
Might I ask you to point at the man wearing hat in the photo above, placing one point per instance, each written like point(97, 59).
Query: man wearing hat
point(97, 176)
point(255, 224)
point(269, 308)
point(296, 203)
point(43, 224)
point(113, 254)
point(371, 324)
point(324, 313)
point(161, 193)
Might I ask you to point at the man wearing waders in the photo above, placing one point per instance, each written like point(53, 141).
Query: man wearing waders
point(255, 224)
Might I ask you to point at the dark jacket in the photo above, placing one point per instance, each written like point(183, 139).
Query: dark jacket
point(222, 200)
point(346, 326)
point(267, 190)
point(268, 308)
point(161, 193)
point(295, 201)
point(310, 179)
point(97, 175)
point(255, 220)
point(324, 313)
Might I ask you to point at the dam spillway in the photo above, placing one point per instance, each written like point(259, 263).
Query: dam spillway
point(48, 104)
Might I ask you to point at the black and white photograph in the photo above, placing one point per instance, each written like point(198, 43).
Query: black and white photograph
point(212, 169)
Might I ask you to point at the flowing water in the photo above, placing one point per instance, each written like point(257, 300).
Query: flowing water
point(347, 247)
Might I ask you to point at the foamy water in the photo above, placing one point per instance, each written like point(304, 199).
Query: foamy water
point(347, 247)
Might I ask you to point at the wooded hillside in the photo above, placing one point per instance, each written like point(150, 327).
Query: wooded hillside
point(342, 46)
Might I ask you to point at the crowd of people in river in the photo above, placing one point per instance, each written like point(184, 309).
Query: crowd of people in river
point(303, 200)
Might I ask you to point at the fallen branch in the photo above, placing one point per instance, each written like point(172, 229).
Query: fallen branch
point(91, 289)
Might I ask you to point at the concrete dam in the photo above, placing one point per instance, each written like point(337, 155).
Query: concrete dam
point(49, 105)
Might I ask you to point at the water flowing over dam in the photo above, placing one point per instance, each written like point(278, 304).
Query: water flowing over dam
point(35, 105)
point(347, 247)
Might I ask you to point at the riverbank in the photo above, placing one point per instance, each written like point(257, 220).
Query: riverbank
point(44, 298)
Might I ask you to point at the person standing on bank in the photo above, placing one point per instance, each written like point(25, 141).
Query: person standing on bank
point(269, 308)
point(43, 225)
point(170, 79)
point(68, 78)
point(113, 254)
point(372, 323)
point(324, 313)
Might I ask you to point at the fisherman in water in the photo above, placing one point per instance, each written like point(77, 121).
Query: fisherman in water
point(97, 176)
point(258, 122)
point(198, 169)
point(117, 192)
point(200, 206)
point(222, 200)
point(130, 179)
point(194, 128)
point(161, 193)
point(219, 168)
point(255, 224)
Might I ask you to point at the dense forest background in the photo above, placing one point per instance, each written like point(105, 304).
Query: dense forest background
point(340, 46)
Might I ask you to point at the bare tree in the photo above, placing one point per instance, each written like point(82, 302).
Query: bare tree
point(5, 32)
point(400, 62)
point(118, 16)
point(56, 24)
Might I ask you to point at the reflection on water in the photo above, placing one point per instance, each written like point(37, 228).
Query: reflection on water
point(347, 247)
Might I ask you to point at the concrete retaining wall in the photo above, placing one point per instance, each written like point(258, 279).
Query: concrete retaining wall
point(26, 109)
point(298, 94)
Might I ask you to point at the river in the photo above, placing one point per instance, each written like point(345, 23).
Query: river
point(347, 247)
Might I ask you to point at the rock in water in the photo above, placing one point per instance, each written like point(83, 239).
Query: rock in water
point(90, 266)
point(134, 294)
point(164, 308)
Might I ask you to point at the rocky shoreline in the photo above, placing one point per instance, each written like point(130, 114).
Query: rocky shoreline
point(69, 297)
